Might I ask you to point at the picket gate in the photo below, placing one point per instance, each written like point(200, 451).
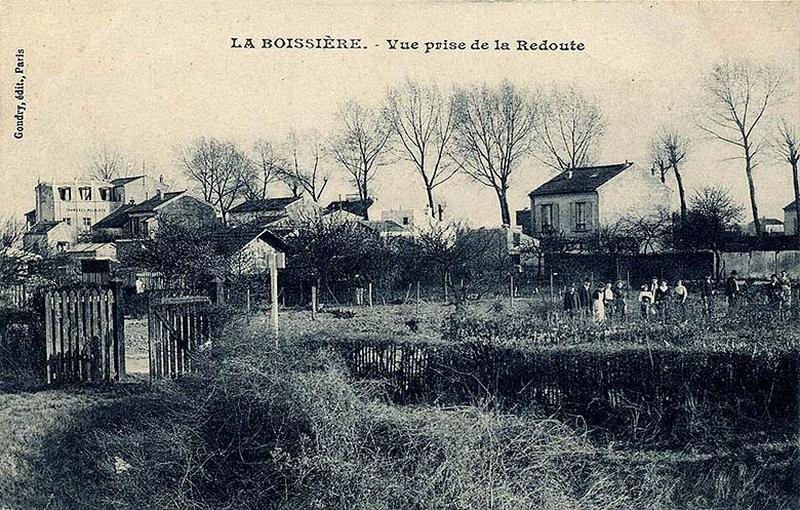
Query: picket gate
point(178, 327)
point(84, 336)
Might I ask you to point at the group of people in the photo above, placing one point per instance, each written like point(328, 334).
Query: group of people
point(657, 299)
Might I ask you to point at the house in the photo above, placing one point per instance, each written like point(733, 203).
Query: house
point(175, 206)
point(790, 218)
point(770, 226)
point(83, 203)
point(578, 201)
point(388, 228)
point(49, 235)
point(113, 226)
point(279, 211)
point(250, 249)
point(352, 204)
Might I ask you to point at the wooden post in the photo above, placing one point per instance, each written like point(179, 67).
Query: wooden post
point(446, 300)
point(416, 306)
point(247, 299)
point(552, 290)
point(313, 302)
point(273, 291)
point(219, 291)
point(511, 293)
point(119, 329)
point(369, 293)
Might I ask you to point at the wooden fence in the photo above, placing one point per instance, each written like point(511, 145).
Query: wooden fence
point(177, 328)
point(84, 336)
point(17, 295)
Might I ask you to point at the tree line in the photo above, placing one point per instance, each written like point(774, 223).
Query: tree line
point(486, 132)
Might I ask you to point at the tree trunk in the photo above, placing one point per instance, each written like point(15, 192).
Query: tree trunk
point(429, 191)
point(681, 192)
point(796, 183)
point(753, 204)
point(505, 215)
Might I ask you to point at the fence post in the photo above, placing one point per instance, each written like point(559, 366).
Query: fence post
point(416, 305)
point(369, 293)
point(511, 293)
point(219, 291)
point(273, 291)
point(313, 302)
point(446, 300)
point(119, 328)
point(247, 299)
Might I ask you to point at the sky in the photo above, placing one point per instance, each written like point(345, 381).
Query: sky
point(147, 78)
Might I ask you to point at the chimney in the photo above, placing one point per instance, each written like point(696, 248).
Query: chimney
point(159, 194)
point(441, 211)
point(569, 174)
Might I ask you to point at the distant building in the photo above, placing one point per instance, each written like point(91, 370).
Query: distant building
point(388, 228)
point(176, 206)
point(250, 249)
point(93, 251)
point(770, 226)
point(271, 211)
point(352, 204)
point(790, 218)
point(82, 203)
point(576, 202)
point(49, 235)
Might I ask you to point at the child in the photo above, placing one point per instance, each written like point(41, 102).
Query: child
point(645, 300)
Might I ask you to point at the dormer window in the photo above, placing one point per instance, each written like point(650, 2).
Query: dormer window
point(85, 192)
point(105, 194)
point(65, 194)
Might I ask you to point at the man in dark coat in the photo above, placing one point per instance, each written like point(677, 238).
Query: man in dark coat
point(707, 293)
point(585, 295)
point(572, 303)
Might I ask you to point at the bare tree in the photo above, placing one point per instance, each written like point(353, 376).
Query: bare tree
point(424, 122)
point(362, 144)
point(786, 147)
point(493, 133)
point(739, 94)
point(107, 164)
point(267, 164)
point(220, 169)
point(306, 170)
point(669, 150)
point(568, 130)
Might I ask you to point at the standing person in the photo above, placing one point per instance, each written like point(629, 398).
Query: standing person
point(707, 293)
point(608, 301)
point(786, 290)
point(653, 285)
point(645, 301)
point(732, 289)
point(661, 298)
point(681, 295)
point(585, 297)
point(359, 290)
point(598, 307)
point(619, 300)
point(774, 292)
point(572, 303)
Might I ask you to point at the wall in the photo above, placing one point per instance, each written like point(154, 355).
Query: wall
point(761, 264)
point(633, 192)
point(50, 207)
point(564, 220)
point(186, 210)
point(789, 221)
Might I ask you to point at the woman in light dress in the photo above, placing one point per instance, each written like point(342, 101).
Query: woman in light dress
point(598, 307)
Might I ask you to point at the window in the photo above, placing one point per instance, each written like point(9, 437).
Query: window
point(405, 220)
point(85, 192)
point(68, 221)
point(581, 216)
point(546, 212)
point(105, 194)
point(65, 194)
point(119, 194)
point(87, 223)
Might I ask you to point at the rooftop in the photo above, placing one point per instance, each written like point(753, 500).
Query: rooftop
point(154, 202)
point(264, 205)
point(582, 180)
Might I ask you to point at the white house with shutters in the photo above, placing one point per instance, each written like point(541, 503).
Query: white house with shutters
point(576, 202)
